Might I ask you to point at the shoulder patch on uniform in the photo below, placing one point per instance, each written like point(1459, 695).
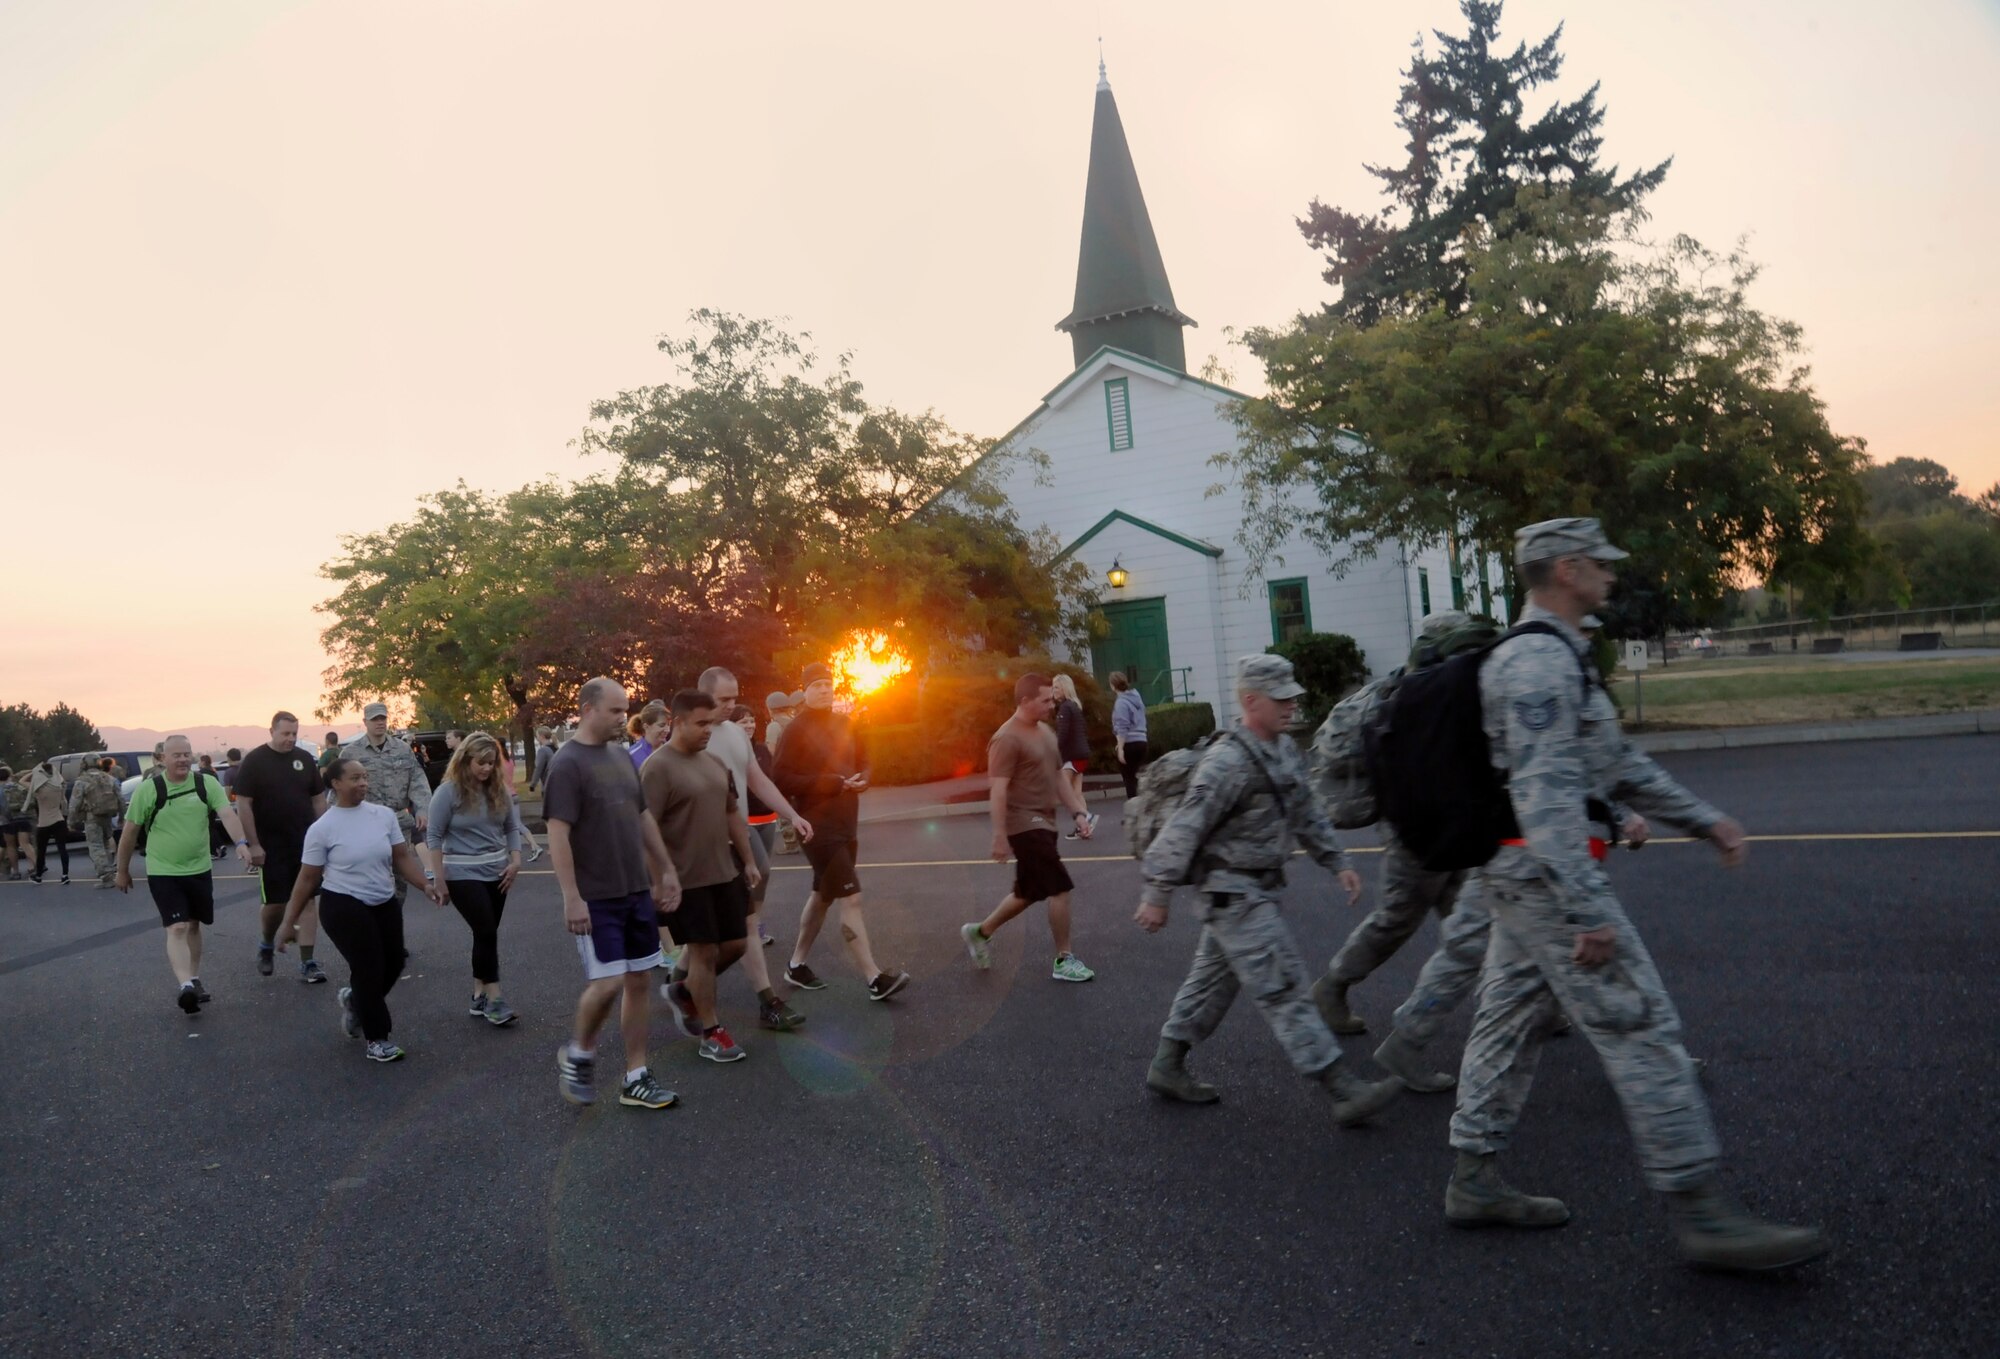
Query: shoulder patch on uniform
point(1535, 714)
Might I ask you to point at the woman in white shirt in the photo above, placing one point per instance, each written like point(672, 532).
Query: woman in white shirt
point(353, 855)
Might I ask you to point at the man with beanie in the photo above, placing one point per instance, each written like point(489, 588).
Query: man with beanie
point(822, 767)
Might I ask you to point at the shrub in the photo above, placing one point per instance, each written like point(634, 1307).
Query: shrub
point(1176, 726)
point(904, 753)
point(1330, 667)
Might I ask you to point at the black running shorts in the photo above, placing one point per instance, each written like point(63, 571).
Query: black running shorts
point(716, 914)
point(832, 861)
point(1038, 868)
point(280, 873)
point(183, 899)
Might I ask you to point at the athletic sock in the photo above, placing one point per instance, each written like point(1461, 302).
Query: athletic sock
point(768, 996)
point(305, 953)
point(270, 941)
point(634, 1074)
point(581, 1054)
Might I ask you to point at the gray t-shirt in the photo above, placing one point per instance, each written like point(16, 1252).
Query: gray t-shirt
point(596, 791)
point(476, 840)
point(355, 847)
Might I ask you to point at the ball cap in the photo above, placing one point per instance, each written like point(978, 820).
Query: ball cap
point(1268, 675)
point(777, 701)
point(1554, 538)
point(375, 710)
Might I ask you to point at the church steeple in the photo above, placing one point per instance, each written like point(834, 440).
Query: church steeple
point(1123, 298)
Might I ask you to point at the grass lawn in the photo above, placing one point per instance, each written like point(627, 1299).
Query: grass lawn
point(1790, 690)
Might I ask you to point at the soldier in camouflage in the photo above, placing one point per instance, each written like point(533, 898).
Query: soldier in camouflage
point(395, 778)
point(93, 809)
point(1561, 939)
point(1231, 835)
point(1409, 891)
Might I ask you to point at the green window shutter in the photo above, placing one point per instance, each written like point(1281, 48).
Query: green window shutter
point(1291, 609)
point(1424, 589)
point(1118, 413)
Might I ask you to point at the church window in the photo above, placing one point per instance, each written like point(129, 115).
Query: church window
point(1118, 411)
point(1291, 610)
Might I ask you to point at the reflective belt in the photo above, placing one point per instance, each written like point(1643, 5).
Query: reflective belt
point(1600, 850)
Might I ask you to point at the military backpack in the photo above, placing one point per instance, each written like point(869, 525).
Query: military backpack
point(100, 795)
point(1163, 782)
point(1432, 767)
point(1340, 757)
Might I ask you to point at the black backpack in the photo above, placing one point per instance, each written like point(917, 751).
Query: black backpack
point(1431, 764)
point(160, 799)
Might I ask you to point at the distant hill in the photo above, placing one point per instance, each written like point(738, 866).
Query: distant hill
point(210, 740)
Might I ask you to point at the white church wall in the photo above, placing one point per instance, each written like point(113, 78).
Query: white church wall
point(1216, 610)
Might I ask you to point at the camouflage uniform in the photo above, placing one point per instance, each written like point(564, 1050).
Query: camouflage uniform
point(395, 779)
point(1409, 893)
point(93, 805)
point(1559, 743)
point(1232, 835)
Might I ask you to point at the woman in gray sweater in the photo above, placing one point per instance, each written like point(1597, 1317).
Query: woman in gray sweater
point(472, 846)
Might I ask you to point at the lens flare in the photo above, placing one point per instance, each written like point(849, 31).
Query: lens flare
point(869, 662)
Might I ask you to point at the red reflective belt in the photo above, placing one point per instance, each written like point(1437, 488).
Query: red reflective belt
point(1599, 849)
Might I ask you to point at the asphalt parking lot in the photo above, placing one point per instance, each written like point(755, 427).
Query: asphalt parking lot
point(975, 1167)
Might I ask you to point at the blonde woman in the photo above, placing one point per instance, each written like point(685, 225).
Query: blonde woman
point(472, 847)
point(1072, 739)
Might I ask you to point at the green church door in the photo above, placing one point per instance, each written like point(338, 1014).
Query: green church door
point(1137, 645)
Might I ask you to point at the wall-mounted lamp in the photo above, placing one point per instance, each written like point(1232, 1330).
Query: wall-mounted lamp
point(1116, 575)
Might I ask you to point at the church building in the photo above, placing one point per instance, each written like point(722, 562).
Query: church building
point(1128, 439)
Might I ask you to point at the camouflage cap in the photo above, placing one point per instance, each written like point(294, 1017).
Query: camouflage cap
point(1268, 675)
point(777, 701)
point(1554, 538)
point(374, 710)
point(1590, 623)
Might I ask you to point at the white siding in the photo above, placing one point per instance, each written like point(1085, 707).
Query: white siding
point(1215, 610)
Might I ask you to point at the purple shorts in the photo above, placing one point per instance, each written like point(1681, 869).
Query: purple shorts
point(624, 937)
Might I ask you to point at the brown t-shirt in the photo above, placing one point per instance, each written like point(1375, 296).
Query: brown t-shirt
point(692, 797)
point(1028, 760)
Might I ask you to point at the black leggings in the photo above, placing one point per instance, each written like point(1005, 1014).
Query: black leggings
point(370, 938)
point(58, 832)
point(1129, 767)
point(481, 903)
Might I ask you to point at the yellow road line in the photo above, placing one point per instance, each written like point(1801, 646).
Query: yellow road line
point(1820, 837)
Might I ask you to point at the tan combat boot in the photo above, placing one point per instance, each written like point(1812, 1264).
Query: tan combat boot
point(1169, 1076)
point(1331, 998)
point(1716, 1233)
point(1355, 1100)
point(1405, 1061)
point(1478, 1197)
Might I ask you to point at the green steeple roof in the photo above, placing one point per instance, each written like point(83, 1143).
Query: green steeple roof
point(1123, 298)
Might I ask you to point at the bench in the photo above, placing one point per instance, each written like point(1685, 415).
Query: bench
point(1921, 641)
point(1758, 649)
point(1827, 646)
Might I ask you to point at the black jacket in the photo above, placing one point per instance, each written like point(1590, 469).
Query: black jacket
point(821, 749)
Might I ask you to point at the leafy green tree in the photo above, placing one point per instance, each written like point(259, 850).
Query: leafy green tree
point(1329, 665)
point(1588, 374)
point(756, 509)
point(28, 737)
point(1472, 147)
point(1909, 486)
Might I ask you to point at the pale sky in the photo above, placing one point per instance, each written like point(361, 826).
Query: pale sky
point(270, 270)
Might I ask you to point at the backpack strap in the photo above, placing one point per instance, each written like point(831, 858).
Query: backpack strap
point(1264, 769)
point(1548, 629)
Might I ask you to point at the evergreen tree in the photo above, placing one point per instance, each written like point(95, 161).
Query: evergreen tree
point(1472, 147)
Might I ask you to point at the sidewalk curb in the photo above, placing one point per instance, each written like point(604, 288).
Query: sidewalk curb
point(1984, 721)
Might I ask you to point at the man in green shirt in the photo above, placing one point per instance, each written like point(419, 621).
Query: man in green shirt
point(173, 808)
